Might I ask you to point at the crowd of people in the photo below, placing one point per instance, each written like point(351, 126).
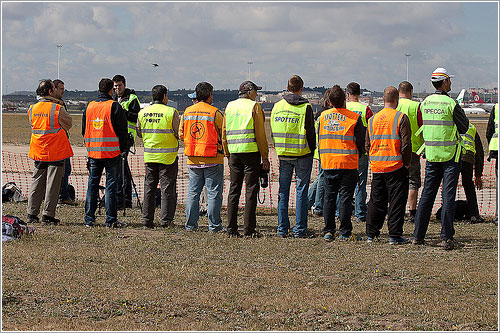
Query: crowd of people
point(345, 137)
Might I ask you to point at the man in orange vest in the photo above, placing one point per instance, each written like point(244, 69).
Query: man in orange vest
point(104, 129)
point(388, 141)
point(201, 130)
point(341, 142)
point(49, 148)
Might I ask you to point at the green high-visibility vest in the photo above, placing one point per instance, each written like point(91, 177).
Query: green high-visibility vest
point(359, 108)
point(160, 143)
point(125, 105)
point(469, 139)
point(410, 108)
point(288, 129)
point(316, 128)
point(494, 139)
point(240, 130)
point(440, 134)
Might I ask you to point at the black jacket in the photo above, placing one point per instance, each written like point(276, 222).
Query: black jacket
point(133, 108)
point(118, 121)
point(490, 130)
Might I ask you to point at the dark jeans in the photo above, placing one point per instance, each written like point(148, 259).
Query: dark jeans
point(128, 185)
point(448, 172)
point(243, 166)
point(341, 182)
point(467, 172)
point(166, 174)
point(64, 194)
point(96, 166)
point(391, 187)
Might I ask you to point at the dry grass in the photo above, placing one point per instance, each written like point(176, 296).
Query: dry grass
point(68, 277)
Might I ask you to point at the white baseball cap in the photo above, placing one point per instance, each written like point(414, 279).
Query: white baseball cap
point(440, 74)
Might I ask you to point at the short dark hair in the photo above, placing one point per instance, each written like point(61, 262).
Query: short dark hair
point(326, 99)
point(437, 84)
point(405, 87)
point(295, 83)
point(353, 88)
point(44, 87)
point(118, 78)
point(57, 82)
point(105, 85)
point(203, 91)
point(158, 92)
point(337, 96)
point(391, 94)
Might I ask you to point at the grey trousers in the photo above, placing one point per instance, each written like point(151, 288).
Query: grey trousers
point(47, 178)
point(166, 174)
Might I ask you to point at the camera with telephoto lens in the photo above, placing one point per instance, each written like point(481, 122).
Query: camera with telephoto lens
point(264, 177)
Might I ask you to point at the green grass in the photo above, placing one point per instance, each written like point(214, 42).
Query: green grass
point(68, 277)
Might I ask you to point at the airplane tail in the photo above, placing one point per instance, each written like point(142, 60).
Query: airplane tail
point(460, 97)
point(477, 98)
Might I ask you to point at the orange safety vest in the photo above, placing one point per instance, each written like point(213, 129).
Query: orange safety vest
point(385, 142)
point(200, 135)
point(337, 145)
point(100, 137)
point(49, 142)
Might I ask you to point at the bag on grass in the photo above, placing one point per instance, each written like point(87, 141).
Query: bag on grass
point(13, 227)
point(10, 192)
point(462, 211)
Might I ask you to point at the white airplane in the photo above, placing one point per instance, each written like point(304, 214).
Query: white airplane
point(479, 102)
point(466, 107)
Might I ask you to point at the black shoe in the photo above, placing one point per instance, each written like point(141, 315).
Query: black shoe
point(233, 234)
point(49, 219)
point(117, 224)
point(254, 234)
point(148, 226)
point(307, 234)
point(33, 219)
point(167, 224)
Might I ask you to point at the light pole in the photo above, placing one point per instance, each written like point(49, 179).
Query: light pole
point(249, 63)
point(407, 56)
point(58, 58)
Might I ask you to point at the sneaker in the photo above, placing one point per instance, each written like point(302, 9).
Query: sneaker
point(344, 238)
point(372, 239)
point(398, 240)
point(307, 234)
point(328, 237)
point(417, 242)
point(117, 225)
point(476, 219)
point(33, 218)
point(68, 201)
point(448, 244)
point(49, 219)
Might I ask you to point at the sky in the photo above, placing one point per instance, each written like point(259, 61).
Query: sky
point(326, 43)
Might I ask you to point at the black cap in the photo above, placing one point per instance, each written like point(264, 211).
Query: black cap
point(247, 86)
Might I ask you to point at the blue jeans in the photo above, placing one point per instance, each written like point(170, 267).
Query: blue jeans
point(315, 195)
point(360, 191)
point(96, 167)
point(64, 194)
point(303, 168)
point(434, 173)
point(213, 178)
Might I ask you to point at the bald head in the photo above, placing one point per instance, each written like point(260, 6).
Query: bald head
point(391, 97)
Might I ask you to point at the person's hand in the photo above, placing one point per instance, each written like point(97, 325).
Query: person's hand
point(265, 164)
point(479, 183)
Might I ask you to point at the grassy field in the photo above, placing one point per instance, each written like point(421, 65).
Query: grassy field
point(68, 277)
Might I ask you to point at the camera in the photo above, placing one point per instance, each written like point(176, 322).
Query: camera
point(130, 140)
point(264, 177)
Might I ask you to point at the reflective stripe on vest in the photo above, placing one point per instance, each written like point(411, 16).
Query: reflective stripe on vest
point(385, 142)
point(469, 139)
point(49, 143)
point(288, 129)
point(200, 135)
point(240, 130)
point(494, 139)
point(131, 126)
point(359, 108)
point(100, 137)
point(160, 143)
point(336, 141)
point(440, 134)
point(410, 108)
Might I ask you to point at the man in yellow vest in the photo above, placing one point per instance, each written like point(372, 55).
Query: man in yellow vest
point(388, 141)
point(353, 104)
point(129, 101)
point(412, 110)
point(294, 137)
point(158, 125)
point(201, 130)
point(49, 148)
point(443, 121)
point(492, 137)
point(245, 142)
point(104, 128)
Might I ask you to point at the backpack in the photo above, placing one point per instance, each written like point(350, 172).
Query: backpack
point(13, 227)
point(462, 211)
point(10, 192)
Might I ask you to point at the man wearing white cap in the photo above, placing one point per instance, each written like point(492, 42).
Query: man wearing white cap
point(443, 121)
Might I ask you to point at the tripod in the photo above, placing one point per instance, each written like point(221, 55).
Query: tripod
point(126, 168)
